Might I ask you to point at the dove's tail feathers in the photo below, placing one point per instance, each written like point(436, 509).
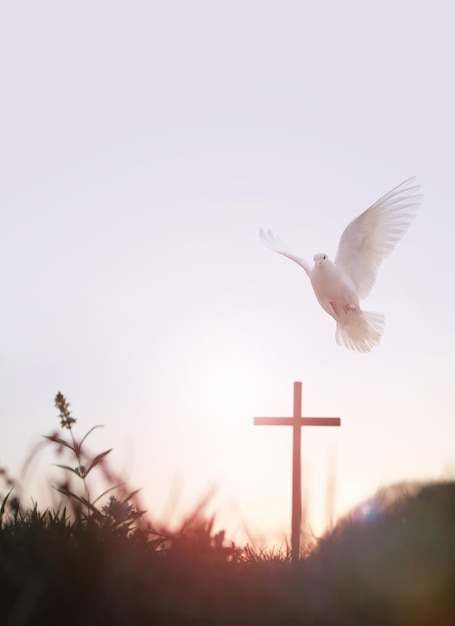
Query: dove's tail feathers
point(361, 332)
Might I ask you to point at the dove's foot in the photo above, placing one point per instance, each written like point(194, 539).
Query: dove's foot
point(347, 306)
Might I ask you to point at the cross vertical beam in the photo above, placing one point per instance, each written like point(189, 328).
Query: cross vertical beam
point(297, 422)
point(296, 522)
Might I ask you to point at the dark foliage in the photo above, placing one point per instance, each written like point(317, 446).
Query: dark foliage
point(389, 563)
point(52, 572)
point(393, 564)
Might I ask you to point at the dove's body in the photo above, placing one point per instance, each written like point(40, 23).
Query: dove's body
point(363, 245)
point(336, 293)
point(333, 288)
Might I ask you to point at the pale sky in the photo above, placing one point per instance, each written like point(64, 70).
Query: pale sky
point(143, 145)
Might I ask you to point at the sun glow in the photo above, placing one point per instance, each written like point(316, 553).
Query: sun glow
point(223, 376)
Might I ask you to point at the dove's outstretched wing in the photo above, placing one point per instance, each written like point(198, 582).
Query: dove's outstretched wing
point(274, 243)
point(369, 238)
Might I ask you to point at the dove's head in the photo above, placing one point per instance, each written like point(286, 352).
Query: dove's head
point(320, 258)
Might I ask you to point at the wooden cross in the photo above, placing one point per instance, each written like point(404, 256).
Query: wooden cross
point(296, 421)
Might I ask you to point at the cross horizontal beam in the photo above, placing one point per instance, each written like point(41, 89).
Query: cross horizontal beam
point(299, 421)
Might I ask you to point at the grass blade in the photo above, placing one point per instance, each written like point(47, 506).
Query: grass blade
point(5, 500)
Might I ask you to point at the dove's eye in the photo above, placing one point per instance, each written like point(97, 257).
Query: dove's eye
point(324, 257)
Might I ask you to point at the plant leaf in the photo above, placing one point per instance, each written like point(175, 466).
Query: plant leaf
point(88, 433)
point(107, 491)
point(70, 469)
point(70, 494)
point(59, 440)
point(130, 495)
point(82, 500)
point(96, 460)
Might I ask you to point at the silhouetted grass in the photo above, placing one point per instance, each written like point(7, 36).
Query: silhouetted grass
point(98, 560)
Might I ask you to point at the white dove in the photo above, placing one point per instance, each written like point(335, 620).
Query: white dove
point(365, 242)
